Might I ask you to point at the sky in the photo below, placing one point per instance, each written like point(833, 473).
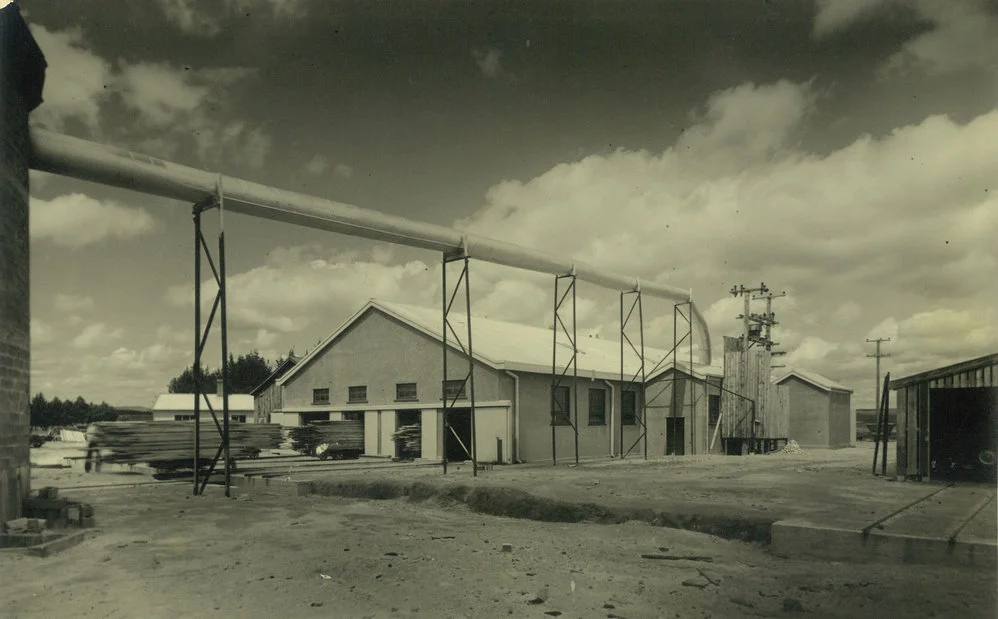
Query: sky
point(842, 151)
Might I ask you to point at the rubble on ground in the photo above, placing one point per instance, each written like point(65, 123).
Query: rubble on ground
point(792, 448)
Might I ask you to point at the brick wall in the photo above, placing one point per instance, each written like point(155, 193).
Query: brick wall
point(21, 73)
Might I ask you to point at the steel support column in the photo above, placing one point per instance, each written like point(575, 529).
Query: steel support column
point(468, 382)
point(673, 356)
point(557, 378)
point(200, 341)
point(628, 386)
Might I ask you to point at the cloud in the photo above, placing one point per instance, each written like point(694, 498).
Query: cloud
point(836, 15)
point(233, 142)
point(963, 34)
point(76, 220)
point(73, 303)
point(76, 80)
point(343, 171)
point(298, 285)
point(41, 332)
point(203, 19)
point(488, 60)
point(97, 334)
point(317, 165)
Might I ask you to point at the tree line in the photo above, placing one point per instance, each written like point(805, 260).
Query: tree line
point(55, 412)
point(245, 373)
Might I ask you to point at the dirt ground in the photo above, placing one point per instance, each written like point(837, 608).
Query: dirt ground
point(161, 553)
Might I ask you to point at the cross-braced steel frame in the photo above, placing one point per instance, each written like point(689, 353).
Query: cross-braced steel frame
point(571, 414)
point(468, 382)
point(684, 318)
point(640, 412)
point(201, 339)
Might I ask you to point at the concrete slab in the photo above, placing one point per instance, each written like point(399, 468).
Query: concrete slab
point(803, 539)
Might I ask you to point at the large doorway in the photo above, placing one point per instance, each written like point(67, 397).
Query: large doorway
point(408, 434)
point(962, 434)
point(457, 442)
point(675, 436)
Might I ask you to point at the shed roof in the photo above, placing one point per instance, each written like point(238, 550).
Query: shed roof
point(949, 370)
point(502, 345)
point(238, 402)
point(700, 370)
point(278, 372)
point(822, 382)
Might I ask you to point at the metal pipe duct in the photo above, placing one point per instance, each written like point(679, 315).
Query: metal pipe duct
point(85, 160)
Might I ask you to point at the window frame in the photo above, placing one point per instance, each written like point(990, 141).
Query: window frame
point(602, 419)
point(713, 413)
point(315, 395)
point(555, 419)
point(356, 400)
point(462, 394)
point(630, 419)
point(415, 392)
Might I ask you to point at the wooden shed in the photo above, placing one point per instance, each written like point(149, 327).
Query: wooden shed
point(820, 409)
point(753, 412)
point(946, 424)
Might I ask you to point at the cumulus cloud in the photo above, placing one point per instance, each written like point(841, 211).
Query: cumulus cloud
point(317, 165)
point(76, 220)
point(41, 332)
point(172, 103)
point(963, 34)
point(205, 19)
point(73, 303)
point(488, 61)
point(343, 171)
point(76, 80)
point(97, 334)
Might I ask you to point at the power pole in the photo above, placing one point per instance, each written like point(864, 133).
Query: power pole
point(768, 320)
point(747, 316)
point(878, 356)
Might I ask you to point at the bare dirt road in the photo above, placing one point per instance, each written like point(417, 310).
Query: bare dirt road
point(162, 553)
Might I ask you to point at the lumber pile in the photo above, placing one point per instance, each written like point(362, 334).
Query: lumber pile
point(334, 435)
point(161, 441)
point(410, 439)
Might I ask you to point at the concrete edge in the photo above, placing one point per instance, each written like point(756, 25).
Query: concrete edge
point(803, 539)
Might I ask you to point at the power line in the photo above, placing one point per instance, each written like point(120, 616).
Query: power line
point(878, 355)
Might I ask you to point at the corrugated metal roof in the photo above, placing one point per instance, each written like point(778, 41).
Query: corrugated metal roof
point(506, 345)
point(822, 382)
point(240, 402)
point(949, 370)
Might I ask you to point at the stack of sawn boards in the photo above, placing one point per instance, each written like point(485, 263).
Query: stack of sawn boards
point(159, 441)
point(339, 435)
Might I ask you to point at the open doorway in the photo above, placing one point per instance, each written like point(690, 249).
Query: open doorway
point(962, 434)
point(457, 442)
point(408, 436)
point(675, 436)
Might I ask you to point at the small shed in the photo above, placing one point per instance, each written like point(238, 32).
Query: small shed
point(820, 409)
point(946, 427)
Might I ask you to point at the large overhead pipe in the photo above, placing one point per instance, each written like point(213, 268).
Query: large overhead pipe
point(85, 160)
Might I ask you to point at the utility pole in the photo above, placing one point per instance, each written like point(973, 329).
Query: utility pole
point(878, 355)
point(747, 316)
point(768, 320)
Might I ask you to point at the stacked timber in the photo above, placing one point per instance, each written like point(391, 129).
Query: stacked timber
point(160, 441)
point(335, 435)
point(409, 439)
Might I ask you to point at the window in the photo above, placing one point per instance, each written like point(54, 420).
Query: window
point(455, 389)
point(597, 407)
point(405, 392)
point(353, 416)
point(238, 418)
point(183, 417)
point(357, 394)
point(713, 409)
point(629, 407)
point(320, 396)
point(560, 402)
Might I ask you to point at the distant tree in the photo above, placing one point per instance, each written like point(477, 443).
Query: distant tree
point(56, 413)
point(185, 382)
point(244, 373)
